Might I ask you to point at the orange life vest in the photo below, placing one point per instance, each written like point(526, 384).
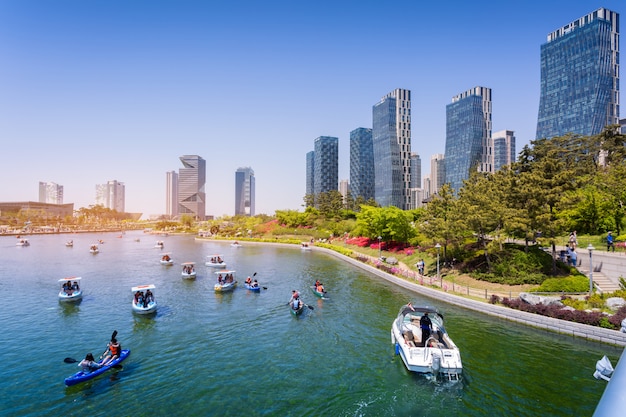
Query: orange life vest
point(114, 349)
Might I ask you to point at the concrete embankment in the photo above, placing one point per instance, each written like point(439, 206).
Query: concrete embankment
point(612, 337)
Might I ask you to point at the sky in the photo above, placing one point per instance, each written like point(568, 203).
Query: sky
point(100, 90)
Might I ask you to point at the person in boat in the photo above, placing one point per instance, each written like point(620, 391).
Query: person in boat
point(229, 278)
point(67, 287)
point(249, 281)
point(294, 296)
point(89, 364)
point(148, 298)
point(296, 303)
point(219, 260)
point(317, 283)
point(139, 298)
point(113, 352)
point(166, 257)
point(255, 284)
point(426, 325)
point(75, 286)
point(320, 288)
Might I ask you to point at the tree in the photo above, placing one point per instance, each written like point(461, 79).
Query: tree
point(442, 221)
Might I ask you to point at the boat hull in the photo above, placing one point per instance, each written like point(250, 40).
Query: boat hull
point(75, 296)
point(168, 263)
point(225, 287)
point(189, 276)
point(82, 376)
point(215, 264)
point(253, 289)
point(296, 312)
point(149, 309)
point(317, 293)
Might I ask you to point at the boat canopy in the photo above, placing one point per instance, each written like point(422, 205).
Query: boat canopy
point(214, 256)
point(225, 271)
point(143, 287)
point(419, 309)
point(70, 279)
point(188, 263)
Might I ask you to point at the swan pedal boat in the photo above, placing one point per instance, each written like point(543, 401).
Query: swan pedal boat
point(82, 376)
point(435, 356)
point(141, 309)
point(225, 286)
point(189, 271)
point(75, 295)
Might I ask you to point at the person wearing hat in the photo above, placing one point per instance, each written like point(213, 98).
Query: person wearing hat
point(609, 242)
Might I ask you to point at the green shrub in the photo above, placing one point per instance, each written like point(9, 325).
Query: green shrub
point(571, 284)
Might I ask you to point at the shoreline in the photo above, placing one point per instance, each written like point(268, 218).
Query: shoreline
point(594, 333)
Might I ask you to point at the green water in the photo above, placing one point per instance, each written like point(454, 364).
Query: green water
point(244, 354)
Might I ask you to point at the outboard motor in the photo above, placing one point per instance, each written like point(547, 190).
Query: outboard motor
point(604, 369)
point(436, 361)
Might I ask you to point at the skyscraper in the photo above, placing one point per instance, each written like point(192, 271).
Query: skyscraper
point(310, 173)
point(361, 164)
point(171, 194)
point(344, 186)
point(326, 165)
point(191, 181)
point(416, 171)
point(391, 138)
point(51, 193)
point(437, 172)
point(503, 149)
point(111, 195)
point(580, 77)
point(468, 135)
point(244, 192)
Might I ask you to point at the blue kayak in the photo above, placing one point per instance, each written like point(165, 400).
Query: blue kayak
point(81, 376)
point(251, 288)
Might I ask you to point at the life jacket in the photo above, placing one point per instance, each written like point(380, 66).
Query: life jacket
point(114, 349)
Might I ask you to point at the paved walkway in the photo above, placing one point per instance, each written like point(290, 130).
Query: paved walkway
point(608, 267)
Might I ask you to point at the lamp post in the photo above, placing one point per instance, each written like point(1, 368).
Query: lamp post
point(590, 248)
point(379, 247)
point(438, 246)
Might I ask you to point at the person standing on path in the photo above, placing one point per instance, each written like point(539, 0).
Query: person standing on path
point(609, 242)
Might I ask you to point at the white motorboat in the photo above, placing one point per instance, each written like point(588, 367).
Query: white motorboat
point(166, 259)
point(143, 299)
point(437, 355)
point(235, 244)
point(225, 281)
point(22, 242)
point(189, 270)
point(305, 246)
point(94, 248)
point(159, 244)
point(215, 261)
point(69, 243)
point(70, 290)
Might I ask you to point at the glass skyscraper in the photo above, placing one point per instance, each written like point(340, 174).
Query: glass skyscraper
point(310, 173)
point(50, 192)
point(468, 136)
point(503, 149)
point(111, 195)
point(171, 194)
point(361, 164)
point(580, 77)
point(391, 138)
point(326, 165)
point(191, 181)
point(244, 192)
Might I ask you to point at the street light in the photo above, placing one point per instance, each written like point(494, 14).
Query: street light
point(438, 246)
point(590, 248)
point(379, 247)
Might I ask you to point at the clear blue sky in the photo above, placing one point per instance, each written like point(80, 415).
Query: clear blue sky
point(92, 91)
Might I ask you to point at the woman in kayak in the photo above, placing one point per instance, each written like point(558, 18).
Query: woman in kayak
point(113, 352)
point(89, 364)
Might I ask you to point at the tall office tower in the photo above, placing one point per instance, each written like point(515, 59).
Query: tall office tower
point(437, 172)
point(326, 165)
point(50, 192)
point(468, 136)
point(391, 138)
point(111, 195)
point(580, 77)
point(171, 194)
point(344, 186)
point(427, 187)
point(503, 148)
point(310, 173)
point(416, 170)
point(361, 164)
point(244, 192)
point(191, 181)
point(622, 126)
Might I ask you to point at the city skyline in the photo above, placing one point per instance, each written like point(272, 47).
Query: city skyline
point(94, 91)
